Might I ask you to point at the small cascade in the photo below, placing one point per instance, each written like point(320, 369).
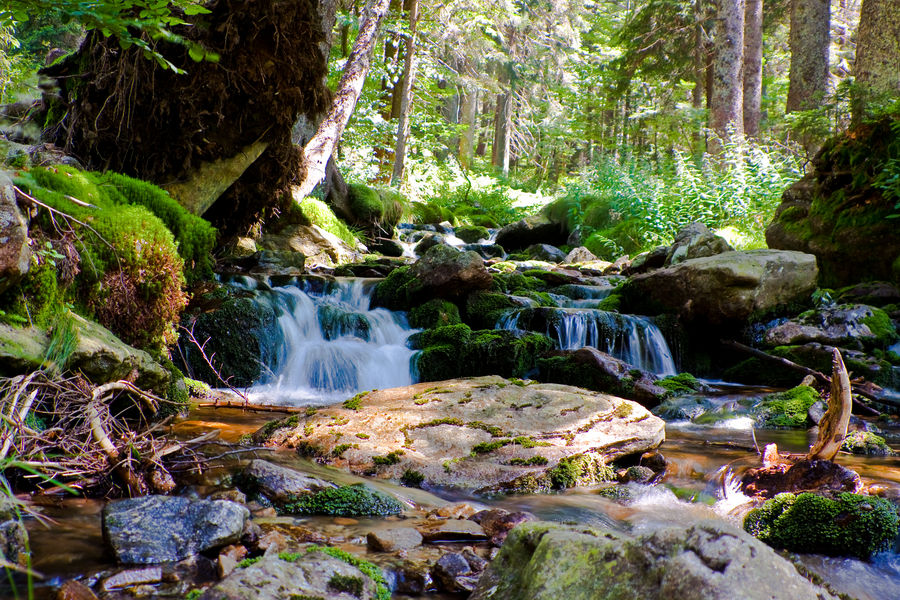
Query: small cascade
point(333, 344)
point(631, 338)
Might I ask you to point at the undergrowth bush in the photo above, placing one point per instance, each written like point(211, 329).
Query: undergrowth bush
point(123, 260)
point(634, 204)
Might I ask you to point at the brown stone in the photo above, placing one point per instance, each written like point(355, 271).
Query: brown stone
point(75, 590)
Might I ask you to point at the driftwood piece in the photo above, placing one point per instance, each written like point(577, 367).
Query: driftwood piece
point(833, 426)
point(255, 407)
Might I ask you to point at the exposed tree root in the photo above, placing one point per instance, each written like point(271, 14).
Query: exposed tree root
point(60, 432)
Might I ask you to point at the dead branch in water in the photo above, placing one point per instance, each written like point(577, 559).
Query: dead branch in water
point(255, 407)
point(208, 360)
point(866, 389)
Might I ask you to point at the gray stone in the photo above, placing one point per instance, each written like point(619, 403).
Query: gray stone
point(157, 529)
point(445, 272)
point(845, 326)
point(311, 575)
point(546, 252)
point(452, 530)
point(391, 540)
point(14, 542)
point(580, 255)
point(15, 251)
point(726, 288)
point(451, 571)
point(695, 241)
point(280, 484)
point(428, 241)
point(709, 560)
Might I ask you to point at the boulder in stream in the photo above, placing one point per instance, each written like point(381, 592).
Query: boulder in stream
point(280, 484)
point(486, 434)
point(310, 574)
point(695, 241)
point(853, 326)
point(158, 529)
point(725, 289)
point(709, 560)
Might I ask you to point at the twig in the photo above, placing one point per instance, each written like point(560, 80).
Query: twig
point(202, 349)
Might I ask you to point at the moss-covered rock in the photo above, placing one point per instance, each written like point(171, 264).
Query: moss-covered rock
point(365, 203)
point(471, 233)
point(434, 313)
point(242, 336)
point(866, 443)
point(346, 501)
point(786, 409)
point(683, 383)
point(485, 309)
point(839, 211)
point(848, 525)
point(457, 351)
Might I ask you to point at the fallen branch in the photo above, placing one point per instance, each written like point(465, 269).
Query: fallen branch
point(208, 360)
point(866, 389)
point(255, 407)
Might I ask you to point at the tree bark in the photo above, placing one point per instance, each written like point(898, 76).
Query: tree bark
point(877, 67)
point(467, 139)
point(753, 58)
point(833, 426)
point(809, 44)
point(502, 131)
point(319, 149)
point(726, 102)
point(409, 79)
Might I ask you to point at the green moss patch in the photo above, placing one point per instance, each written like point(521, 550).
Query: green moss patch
point(849, 525)
point(346, 501)
point(683, 383)
point(382, 592)
point(866, 443)
point(434, 313)
point(786, 409)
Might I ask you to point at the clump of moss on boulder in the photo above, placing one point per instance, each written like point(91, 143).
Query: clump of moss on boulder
point(458, 351)
point(346, 501)
point(786, 409)
point(683, 383)
point(434, 313)
point(484, 309)
point(847, 525)
point(471, 233)
point(866, 443)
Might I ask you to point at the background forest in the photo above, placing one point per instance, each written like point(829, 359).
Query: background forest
point(640, 116)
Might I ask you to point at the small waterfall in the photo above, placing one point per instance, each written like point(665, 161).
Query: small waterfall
point(631, 338)
point(333, 344)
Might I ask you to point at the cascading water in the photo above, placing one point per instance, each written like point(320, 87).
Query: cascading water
point(333, 344)
point(631, 338)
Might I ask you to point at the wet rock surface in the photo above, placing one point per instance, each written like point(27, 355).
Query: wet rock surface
point(280, 484)
point(158, 529)
point(484, 433)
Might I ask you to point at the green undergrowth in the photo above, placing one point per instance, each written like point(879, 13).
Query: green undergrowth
point(346, 501)
point(848, 525)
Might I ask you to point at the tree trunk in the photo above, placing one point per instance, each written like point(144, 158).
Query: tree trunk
point(467, 139)
point(877, 67)
point(809, 43)
point(726, 103)
point(753, 57)
point(409, 79)
point(502, 129)
point(318, 150)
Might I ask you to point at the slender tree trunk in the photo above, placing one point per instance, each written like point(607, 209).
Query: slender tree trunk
point(467, 139)
point(726, 104)
point(877, 67)
point(320, 148)
point(700, 64)
point(502, 126)
point(409, 74)
point(809, 43)
point(753, 57)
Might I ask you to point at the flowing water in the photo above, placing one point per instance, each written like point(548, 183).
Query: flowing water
point(335, 344)
point(332, 344)
point(631, 338)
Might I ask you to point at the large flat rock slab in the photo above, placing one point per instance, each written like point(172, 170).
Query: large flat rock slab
point(487, 433)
